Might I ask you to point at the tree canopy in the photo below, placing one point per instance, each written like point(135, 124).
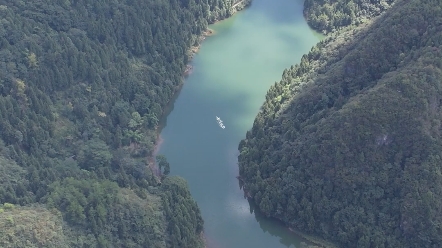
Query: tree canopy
point(83, 84)
point(329, 15)
point(347, 146)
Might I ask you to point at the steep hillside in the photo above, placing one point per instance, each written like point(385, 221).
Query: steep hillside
point(348, 144)
point(329, 15)
point(83, 84)
point(30, 227)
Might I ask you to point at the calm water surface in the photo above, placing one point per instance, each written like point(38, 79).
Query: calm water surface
point(232, 73)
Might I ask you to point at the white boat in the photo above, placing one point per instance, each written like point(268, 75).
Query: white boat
point(220, 122)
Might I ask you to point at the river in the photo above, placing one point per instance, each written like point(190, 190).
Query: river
point(231, 74)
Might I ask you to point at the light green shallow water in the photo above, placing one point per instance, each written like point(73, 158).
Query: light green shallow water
point(232, 73)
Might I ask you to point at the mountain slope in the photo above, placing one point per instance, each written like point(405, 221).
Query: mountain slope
point(329, 15)
point(347, 145)
point(83, 84)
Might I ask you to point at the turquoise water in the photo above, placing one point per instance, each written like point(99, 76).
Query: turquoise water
point(232, 73)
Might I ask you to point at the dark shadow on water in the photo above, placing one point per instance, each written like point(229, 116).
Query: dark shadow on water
point(169, 108)
point(277, 228)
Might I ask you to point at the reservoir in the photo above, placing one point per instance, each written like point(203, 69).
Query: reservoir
point(231, 74)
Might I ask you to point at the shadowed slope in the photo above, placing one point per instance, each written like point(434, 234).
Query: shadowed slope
point(347, 145)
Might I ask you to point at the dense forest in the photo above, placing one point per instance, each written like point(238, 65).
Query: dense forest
point(347, 146)
point(329, 15)
point(83, 84)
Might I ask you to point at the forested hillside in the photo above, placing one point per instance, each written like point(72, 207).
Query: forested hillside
point(329, 15)
point(83, 84)
point(347, 146)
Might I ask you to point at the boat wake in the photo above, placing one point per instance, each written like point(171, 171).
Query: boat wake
point(220, 122)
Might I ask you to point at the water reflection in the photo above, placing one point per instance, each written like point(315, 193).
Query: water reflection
point(277, 228)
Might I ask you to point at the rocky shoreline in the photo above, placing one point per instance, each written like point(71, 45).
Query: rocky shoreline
point(238, 6)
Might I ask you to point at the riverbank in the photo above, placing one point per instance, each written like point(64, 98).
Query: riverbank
point(236, 7)
point(151, 159)
point(169, 106)
point(194, 50)
point(314, 242)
